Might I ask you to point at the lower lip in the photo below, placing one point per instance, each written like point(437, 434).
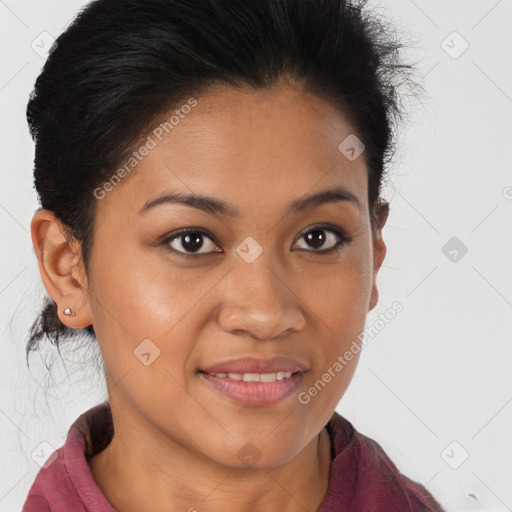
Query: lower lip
point(255, 393)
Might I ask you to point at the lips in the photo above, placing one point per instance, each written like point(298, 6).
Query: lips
point(255, 382)
point(254, 365)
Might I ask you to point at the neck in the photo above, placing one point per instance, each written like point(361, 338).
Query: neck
point(155, 474)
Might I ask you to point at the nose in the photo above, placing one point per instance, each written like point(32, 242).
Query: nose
point(259, 303)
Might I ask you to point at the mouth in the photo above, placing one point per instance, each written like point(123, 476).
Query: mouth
point(253, 381)
point(254, 389)
point(253, 377)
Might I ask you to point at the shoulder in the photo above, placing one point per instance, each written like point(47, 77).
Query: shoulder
point(53, 488)
point(35, 503)
point(363, 477)
point(65, 481)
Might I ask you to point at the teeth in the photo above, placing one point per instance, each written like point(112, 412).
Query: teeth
point(256, 377)
point(251, 377)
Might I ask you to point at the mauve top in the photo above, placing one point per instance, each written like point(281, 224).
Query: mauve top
point(362, 477)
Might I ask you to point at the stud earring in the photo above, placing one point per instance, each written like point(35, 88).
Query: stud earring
point(69, 312)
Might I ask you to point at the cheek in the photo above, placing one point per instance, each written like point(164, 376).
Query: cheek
point(149, 331)
point(145, 295)
point(338, 303)
point(141, 316)
point(338, 295)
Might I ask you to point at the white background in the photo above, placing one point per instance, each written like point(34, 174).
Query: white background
point(440, 372)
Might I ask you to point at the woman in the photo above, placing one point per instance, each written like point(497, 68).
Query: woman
point(209, 176)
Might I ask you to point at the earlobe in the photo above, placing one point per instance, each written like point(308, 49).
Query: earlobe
point(374, 297)
point(58, 258)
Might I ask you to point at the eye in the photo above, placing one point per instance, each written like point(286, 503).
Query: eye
point(189, 242)
point(328, 239)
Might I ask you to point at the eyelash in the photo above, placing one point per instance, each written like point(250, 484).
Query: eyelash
point(343, 241)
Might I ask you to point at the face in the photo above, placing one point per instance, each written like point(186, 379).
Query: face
point(257, 279)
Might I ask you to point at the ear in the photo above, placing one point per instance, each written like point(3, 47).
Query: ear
point(59, 257)
point(381, 213)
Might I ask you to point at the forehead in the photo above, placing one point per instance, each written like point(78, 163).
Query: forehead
point(252, 148)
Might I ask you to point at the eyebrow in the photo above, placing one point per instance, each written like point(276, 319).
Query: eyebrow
point(216, 206)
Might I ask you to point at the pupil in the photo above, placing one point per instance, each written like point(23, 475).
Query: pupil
point(316, 238)
point(192, 242)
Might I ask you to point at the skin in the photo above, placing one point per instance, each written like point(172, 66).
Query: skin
point(176, 439)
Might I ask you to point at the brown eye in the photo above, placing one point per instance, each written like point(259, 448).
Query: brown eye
point(190, 242)
point(324, 240)
point(195, 242)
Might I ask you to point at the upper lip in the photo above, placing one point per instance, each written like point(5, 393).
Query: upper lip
point(255, 365)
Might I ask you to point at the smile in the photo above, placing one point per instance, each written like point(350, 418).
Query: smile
point(255, 377)
point(254, 389)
